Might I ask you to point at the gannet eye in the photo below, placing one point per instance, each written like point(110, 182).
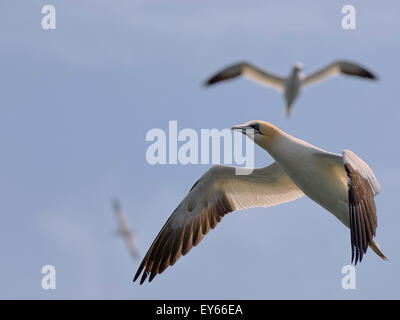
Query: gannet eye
point(256, 127)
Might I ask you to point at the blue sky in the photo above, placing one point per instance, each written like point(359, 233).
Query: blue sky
point(76, 104)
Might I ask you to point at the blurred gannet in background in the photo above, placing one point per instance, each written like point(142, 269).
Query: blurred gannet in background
point(342, 184)
point(124, 229)
point(294, 82)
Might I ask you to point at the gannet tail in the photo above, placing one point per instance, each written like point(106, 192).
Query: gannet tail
point(374, 246)
point(288, 109)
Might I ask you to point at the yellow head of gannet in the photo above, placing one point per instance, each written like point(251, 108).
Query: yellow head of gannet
point(264, 133)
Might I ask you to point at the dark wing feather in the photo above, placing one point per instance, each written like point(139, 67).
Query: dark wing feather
point(354, 69)
point(362, 188)
point(171, 243)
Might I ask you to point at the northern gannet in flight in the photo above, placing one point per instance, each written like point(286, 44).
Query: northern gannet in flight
point(124, 229)
point(342, 184)
point(291, 85)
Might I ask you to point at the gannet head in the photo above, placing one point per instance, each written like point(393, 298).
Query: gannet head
point(263, 133)
point(298, 66)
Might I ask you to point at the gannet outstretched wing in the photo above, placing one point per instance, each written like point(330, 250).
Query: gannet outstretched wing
point(337, 67)
point(248, 71)
point(362, 186)
point(218, 192)
point(124, 229)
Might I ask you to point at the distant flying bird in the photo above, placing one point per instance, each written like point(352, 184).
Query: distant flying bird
point(341, 183)
point(124, 229)
point(291, 85)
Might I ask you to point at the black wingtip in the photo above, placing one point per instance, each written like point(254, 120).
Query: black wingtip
point(138, 274)
point(152, 277)
point(362, 73)
point(212, 80)
point(352, 254)
point(223, 76)
point(357, 255)
point(356, 258)
point(144, 276)
point(367, 74)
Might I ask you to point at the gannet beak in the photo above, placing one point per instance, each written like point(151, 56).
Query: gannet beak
point(245, 129)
